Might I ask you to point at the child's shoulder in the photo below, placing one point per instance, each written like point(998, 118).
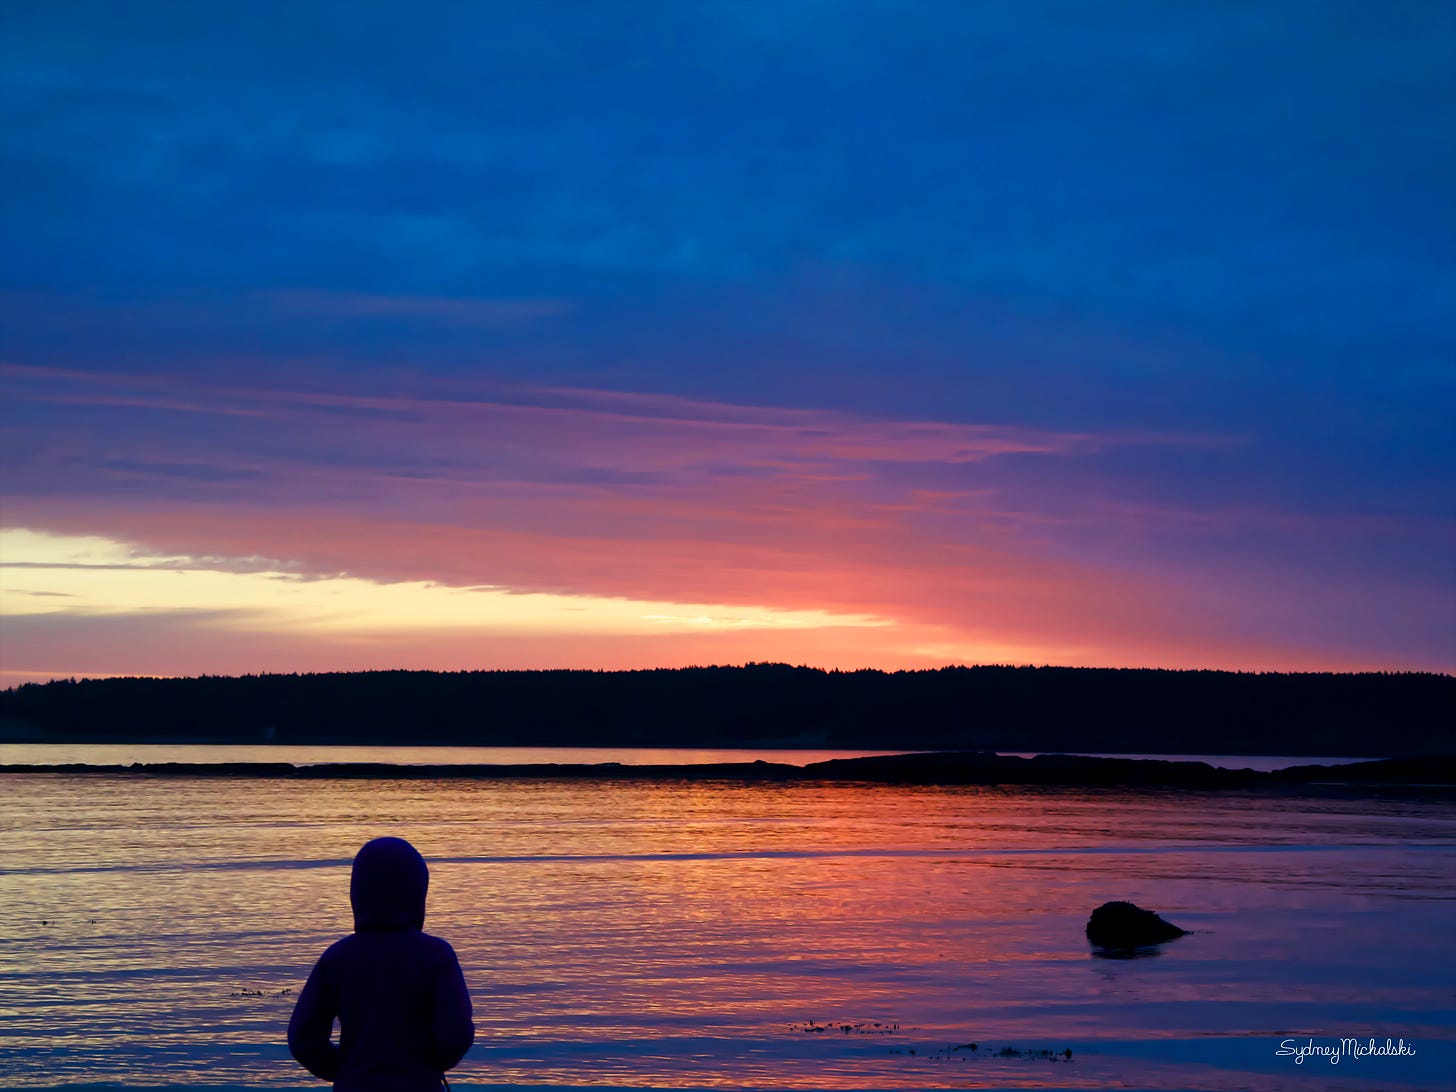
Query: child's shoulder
point(422, 944)
point(438, 945)
point(339, 947)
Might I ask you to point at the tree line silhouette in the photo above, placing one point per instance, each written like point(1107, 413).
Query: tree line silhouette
point(1112, 710)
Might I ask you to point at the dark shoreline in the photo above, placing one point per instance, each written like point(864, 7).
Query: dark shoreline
point(936, 768)
point(1017, 710)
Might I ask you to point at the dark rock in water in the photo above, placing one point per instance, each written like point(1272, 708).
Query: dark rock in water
point(1127, 925)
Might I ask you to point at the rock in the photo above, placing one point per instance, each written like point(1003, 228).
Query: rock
point(1127, 925)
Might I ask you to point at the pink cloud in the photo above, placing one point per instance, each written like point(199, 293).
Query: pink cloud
point(646, 497)
point(986, 604)
point(623, 429)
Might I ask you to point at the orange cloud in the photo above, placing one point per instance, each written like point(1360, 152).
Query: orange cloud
point(637, 497)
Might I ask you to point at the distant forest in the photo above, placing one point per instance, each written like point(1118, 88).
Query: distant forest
point(1095, 710)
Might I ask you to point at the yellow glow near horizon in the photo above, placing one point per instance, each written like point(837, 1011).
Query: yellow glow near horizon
point(89, 575)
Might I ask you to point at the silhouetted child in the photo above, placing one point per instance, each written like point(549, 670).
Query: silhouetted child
point(399, 995)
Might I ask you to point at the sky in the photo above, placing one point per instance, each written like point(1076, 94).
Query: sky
point(854, 334)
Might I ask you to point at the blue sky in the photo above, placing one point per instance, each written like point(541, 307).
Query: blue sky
point(1218, 238)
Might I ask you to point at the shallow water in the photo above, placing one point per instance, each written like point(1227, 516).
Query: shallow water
point(676, 935)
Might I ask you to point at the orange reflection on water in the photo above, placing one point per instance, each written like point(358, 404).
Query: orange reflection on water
point(642, 933)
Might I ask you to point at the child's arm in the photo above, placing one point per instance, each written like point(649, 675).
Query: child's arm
point(312, 1026)
point(452, 1027)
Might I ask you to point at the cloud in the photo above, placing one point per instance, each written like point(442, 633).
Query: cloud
point(103, 577)
point(519, 428)
point(554, 471)
point(460, 310)
point(949, 535)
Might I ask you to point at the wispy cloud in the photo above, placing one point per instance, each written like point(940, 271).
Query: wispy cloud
point(693, 509)
point(449, 309)
point(593, 429)
point(579, 465)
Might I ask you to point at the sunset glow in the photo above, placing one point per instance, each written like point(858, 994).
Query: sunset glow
point(103, 578)
point(578, 349)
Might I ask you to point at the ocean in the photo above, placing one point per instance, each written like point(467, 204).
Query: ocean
point(666, 934)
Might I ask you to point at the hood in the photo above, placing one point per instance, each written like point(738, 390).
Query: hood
point(388, 885)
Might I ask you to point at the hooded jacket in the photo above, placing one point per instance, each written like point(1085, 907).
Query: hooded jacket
point(398, 993)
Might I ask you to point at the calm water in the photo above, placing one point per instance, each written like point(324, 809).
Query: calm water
point(694, 935)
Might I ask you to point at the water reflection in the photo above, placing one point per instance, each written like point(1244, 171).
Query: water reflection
point(678, 934)
point(1147, 952)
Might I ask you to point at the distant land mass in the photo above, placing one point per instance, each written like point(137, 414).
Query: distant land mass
point(1017, 709)
point(1428, 773)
